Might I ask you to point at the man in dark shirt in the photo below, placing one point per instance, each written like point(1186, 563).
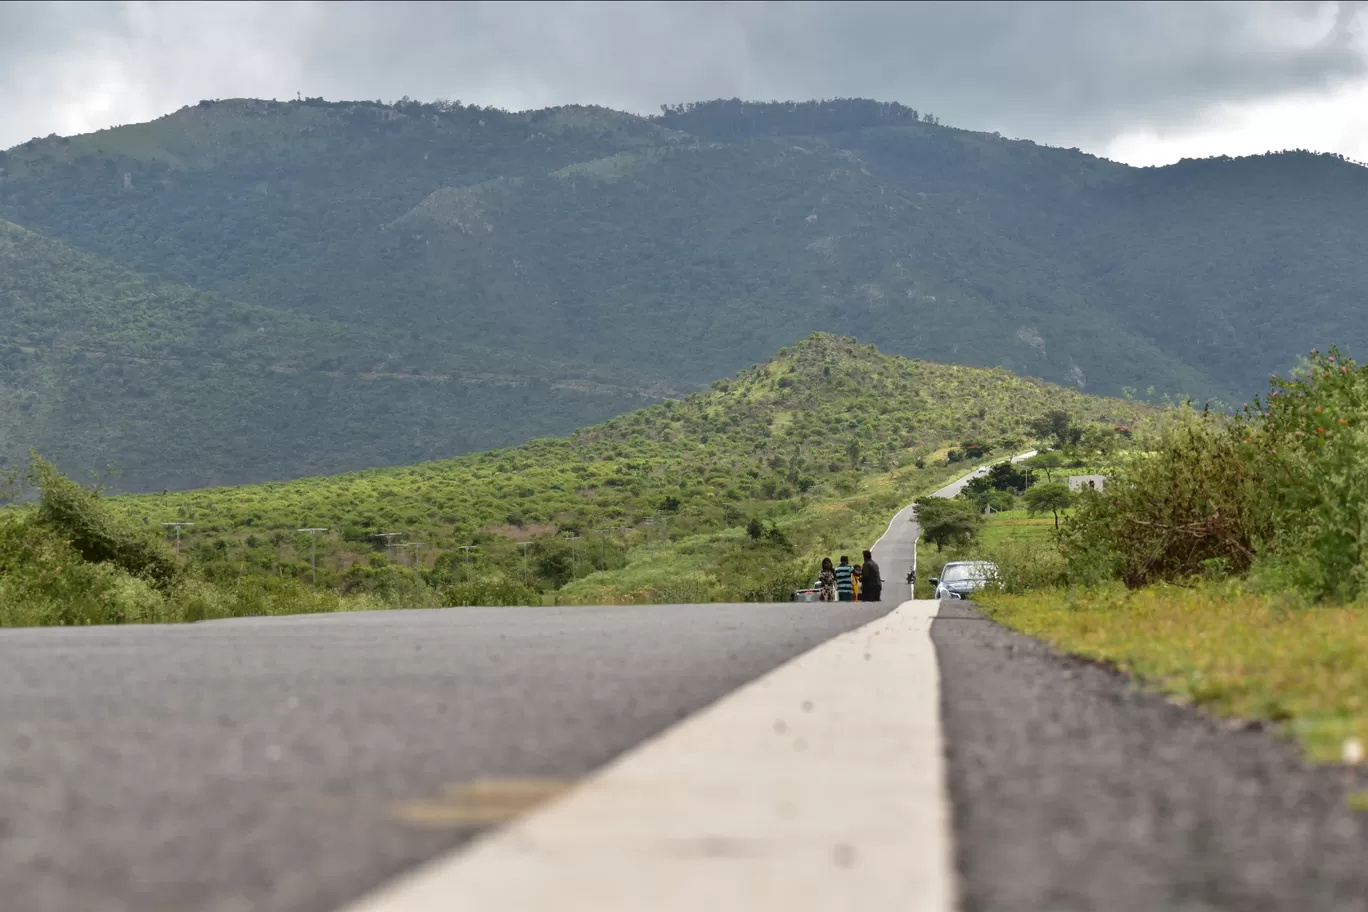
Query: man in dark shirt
point(871, 583)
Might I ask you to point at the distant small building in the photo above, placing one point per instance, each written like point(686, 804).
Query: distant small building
point(1078, 482)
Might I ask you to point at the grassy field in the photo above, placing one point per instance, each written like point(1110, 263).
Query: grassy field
point(1246, 656)
point(1277, 659)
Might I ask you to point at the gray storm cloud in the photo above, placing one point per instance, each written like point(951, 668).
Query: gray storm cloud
point(1067, 73)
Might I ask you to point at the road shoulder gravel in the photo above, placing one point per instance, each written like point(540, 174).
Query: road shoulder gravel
point(1073, 789)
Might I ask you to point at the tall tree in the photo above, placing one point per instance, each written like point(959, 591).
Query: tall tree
point(1050, 497)
point(947, 521)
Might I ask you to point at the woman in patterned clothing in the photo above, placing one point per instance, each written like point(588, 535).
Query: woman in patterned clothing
point(827, 581)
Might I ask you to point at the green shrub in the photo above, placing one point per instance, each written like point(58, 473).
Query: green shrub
point(1195, 500)
point(78, 516)
point(1278, 489)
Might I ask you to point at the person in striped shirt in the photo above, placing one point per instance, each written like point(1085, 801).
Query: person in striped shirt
point(845, 583)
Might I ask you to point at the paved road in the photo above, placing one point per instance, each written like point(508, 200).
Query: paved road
point(293, 763)
point(300, 763)
point(954, 487)
point(1075, 791)
point(259, 765)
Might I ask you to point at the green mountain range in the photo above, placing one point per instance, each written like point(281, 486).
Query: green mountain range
point(307, 287)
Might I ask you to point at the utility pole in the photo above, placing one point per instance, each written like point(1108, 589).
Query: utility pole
point(178, 526)
point(574, 555)
point(726, 512)
point(467, 549)
point(527, 580)
point(313, 548)
point(603, 548)
point(389, 538)
point(417, 560)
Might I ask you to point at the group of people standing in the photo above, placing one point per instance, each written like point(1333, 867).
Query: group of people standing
point(846, 583)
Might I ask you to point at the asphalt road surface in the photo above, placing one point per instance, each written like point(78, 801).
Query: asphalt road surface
point(302, 763)
point(1074, 791)
point(273, 764)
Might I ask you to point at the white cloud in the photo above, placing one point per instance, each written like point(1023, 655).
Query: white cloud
point(1336, 121)
point(1142, 81)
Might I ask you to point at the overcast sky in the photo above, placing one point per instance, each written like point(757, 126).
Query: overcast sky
point(1146, 83)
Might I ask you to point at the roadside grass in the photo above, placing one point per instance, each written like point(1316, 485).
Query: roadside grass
point(1018, 525)
point(1272, 658)
point(1269, 658)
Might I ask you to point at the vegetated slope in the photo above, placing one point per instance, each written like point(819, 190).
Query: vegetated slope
point(756, 242)
point(173, 387)
point(1232, 266)
point(682, 247)
point(810, 424)
point(573, 230)
point(282, 203)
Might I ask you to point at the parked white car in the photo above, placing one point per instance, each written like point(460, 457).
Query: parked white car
point(960, 579)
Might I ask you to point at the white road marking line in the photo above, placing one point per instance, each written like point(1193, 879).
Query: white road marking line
point(819, 786)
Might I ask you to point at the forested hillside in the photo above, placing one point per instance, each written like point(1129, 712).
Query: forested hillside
point(663, 252)
point(171, 387)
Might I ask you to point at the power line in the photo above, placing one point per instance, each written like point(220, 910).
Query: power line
point(417, 555)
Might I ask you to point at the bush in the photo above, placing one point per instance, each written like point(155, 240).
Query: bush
point(1027, 564)
point(44, 581)
point(1278, 488)
point(1195, 501)
point(77, 515)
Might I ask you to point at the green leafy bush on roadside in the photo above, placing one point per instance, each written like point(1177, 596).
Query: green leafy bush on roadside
point(68, 561)
point(77, 515)
point(1277, 491)
point(1196, 501)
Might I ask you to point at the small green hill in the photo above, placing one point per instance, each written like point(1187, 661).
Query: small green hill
point(815, 424)
point(174, 387)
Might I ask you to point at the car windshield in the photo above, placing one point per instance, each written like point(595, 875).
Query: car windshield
point(962, 573)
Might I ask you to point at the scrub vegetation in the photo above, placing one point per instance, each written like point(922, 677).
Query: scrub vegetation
point(1225, 564)
point(729, 494)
